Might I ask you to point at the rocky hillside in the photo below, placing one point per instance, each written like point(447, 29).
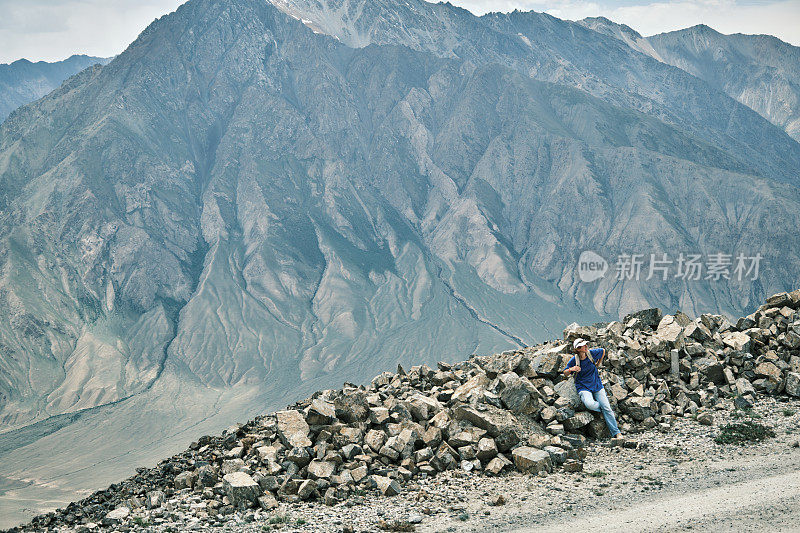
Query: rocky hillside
point(23, 81)
point(488, 415)
point(256, 200)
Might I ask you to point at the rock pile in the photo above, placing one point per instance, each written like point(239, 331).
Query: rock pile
point(489, 414)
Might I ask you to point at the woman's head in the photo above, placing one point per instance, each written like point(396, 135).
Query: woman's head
point(580, 346)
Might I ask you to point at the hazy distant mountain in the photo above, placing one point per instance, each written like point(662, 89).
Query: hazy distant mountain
point(22, 81)
point(760, 71)
point(251, 203)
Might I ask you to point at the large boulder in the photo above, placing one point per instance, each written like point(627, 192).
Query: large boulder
point(497, 465)
point(737, 340)
point(576, 331)
point(779, 300)
point(638, 407)
point(487, 449)
point(351, 407)
point(387, 486)
point(768, 370)
point(744, 387)
point(518, 394)
point(791, 340)
point(793, 384)
point(321, 469)
point(422, 407)
point(293, 428)
point(566, 389)
point(533, 460)
point(320, 412)
point(185, 480)
point(242, 490)
point(578, 421)
point(711, 368)
point(499, 423)
point(669, 330)
point(118, 514)
point(474, 385)
point(645, 318)
point(549, 361)
point(597, 428)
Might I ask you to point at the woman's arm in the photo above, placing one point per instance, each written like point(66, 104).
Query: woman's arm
point(600, 361)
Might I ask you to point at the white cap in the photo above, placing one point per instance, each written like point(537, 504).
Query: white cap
point(578, 343)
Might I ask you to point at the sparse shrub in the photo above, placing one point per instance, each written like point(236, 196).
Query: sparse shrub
point(139, 521)
point(743, 433)
point(597, 473)
point(278, 519)
point(788, 412)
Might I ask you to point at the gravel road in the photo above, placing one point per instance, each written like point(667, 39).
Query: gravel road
point(681, 481)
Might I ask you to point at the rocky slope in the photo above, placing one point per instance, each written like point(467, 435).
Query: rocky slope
point(23, 81)
point(490, 414)
point(759, 71)
point(256, 200)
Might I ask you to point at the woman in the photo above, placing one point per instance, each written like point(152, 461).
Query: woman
point(587, 381)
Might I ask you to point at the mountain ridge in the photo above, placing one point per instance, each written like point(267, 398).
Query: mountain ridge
point(23, 81)
point(773, 80)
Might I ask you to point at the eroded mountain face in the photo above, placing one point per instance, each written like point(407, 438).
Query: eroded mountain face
point(760, 71)
point(254, 198)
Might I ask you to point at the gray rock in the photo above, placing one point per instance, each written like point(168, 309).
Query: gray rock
point(320, 412)
point(497, 465)
point(648, 318)
point(793, 384)
point(306, 489)
point(487, 449)
point(532, 460)
point(267, 501)
point(499, 423)
point(386, 486)
point(185, 480)
point(638, 407)
point(566, 389)
point(155, 499)
point(117, 515)
point(242, 490)
point(293, 429)
point(578, 421)
point(737, 340)
point(321, 469)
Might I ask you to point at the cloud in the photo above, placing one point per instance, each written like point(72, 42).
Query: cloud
point(781, 19)
point(52, 30)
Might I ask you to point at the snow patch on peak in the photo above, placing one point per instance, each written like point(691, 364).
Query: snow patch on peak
point(336, 19)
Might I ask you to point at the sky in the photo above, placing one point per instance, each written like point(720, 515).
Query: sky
point(52, 30)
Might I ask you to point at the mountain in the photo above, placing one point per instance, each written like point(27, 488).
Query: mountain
point(258, 200)
point(22, 81)
point(760, 71)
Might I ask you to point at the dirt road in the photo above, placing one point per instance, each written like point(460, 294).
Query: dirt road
point(681, 481)
point(769, 503)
